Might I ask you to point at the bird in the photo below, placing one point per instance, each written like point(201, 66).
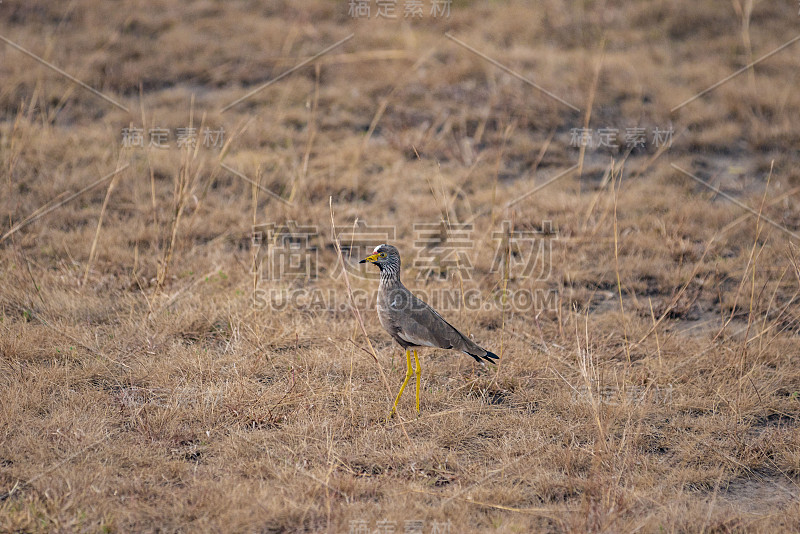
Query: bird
point(411, 322)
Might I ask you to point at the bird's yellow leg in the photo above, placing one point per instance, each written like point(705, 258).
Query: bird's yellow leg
point(409, 372)
point(419, 375)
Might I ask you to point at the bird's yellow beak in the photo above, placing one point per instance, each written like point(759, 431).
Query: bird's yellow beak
point(372, 259)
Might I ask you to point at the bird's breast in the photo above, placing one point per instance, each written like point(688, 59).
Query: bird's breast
point(391, 304)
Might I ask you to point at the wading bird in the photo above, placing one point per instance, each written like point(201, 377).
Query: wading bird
point(411, 322)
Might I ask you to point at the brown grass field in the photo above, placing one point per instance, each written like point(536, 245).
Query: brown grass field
point(152, 379)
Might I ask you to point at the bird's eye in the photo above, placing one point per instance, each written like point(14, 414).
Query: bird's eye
point(382, 254)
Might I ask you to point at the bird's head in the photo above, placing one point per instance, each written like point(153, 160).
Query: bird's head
point(383, 255)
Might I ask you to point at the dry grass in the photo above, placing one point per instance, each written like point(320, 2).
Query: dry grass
point(140, 389)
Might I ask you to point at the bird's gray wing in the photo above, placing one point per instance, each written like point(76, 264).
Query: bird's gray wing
point(416, 323)
point(422, 325)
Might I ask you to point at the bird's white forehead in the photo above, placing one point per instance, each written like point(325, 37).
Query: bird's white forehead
point(379, 246)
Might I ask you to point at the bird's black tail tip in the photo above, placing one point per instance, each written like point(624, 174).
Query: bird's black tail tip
point(489, 357)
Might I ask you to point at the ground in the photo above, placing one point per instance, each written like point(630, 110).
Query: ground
point(581, 187)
